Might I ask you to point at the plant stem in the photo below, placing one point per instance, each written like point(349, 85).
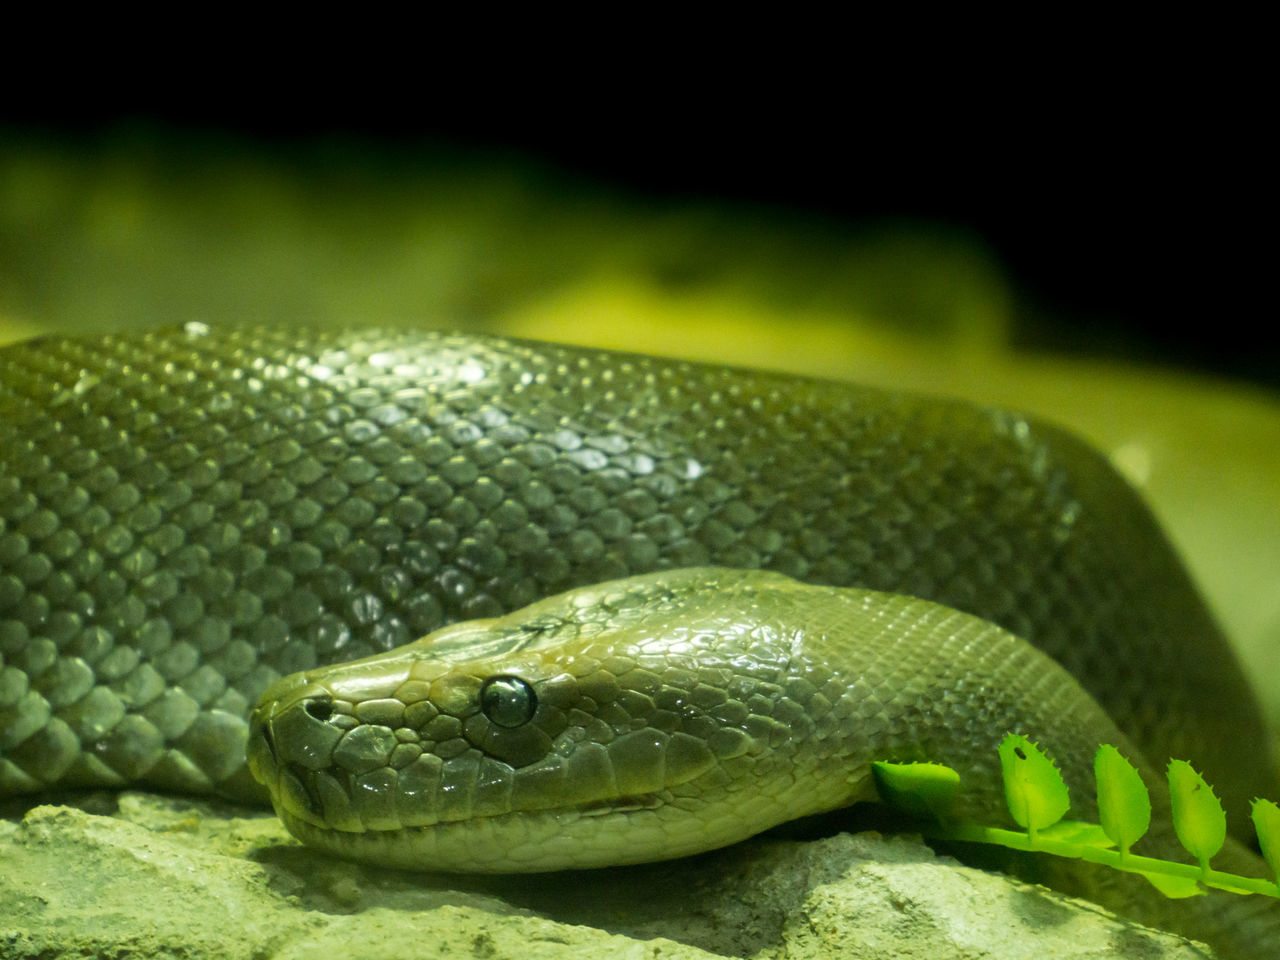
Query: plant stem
point(1132, 863)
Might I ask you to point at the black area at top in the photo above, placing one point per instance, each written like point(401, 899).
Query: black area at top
point(1134, 221)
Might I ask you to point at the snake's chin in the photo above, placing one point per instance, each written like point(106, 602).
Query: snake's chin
point(630, 830)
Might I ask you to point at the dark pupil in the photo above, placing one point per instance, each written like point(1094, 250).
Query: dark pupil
point(508, 701)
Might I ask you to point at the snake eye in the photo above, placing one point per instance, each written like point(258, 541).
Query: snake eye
point(508, 701)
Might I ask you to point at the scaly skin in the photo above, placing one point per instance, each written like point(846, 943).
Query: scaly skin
point(186, 516)
point(673, 712)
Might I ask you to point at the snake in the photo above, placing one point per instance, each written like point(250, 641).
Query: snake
point(469, 603)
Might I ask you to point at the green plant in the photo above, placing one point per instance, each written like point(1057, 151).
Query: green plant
point(1038, 800)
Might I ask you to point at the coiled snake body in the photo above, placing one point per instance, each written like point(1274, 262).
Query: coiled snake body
point(188, 515)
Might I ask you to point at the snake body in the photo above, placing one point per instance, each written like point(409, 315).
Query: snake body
point(188, 515)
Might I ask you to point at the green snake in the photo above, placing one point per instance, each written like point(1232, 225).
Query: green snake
point(189, 515)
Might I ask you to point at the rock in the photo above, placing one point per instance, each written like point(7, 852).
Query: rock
point(161, 876)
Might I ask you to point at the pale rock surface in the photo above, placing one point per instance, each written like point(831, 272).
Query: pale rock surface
point(164, 877)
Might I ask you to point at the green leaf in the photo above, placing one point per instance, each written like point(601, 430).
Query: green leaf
point(1198, 817)
point(1266, 821)
point(1175, 888)
point(1124, 806)
point(1228, 882)
point(1079, 832)
point(920, 789)
point(1033, 788)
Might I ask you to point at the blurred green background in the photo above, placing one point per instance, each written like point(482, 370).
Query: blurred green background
point(127, 225)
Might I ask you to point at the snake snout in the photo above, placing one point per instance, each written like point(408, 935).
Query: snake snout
point(293, 732)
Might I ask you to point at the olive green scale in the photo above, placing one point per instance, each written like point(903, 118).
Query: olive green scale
point(187, 514)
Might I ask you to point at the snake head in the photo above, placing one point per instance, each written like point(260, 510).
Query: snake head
point(539, 740)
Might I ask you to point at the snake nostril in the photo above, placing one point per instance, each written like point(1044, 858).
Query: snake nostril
point(319, 709)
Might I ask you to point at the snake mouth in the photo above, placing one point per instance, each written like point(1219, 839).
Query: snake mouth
point(473, 814)
point(299, 785)
point(461, 827)
point(597, 832)
point(314, 794)
point(526, 842)
point(327, 800)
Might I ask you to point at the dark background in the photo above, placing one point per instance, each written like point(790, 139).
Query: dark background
point(1134, 222)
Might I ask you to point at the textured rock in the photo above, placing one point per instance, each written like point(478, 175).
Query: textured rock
point(193, 879)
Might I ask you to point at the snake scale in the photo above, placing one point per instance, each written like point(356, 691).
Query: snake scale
point(189, 515)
